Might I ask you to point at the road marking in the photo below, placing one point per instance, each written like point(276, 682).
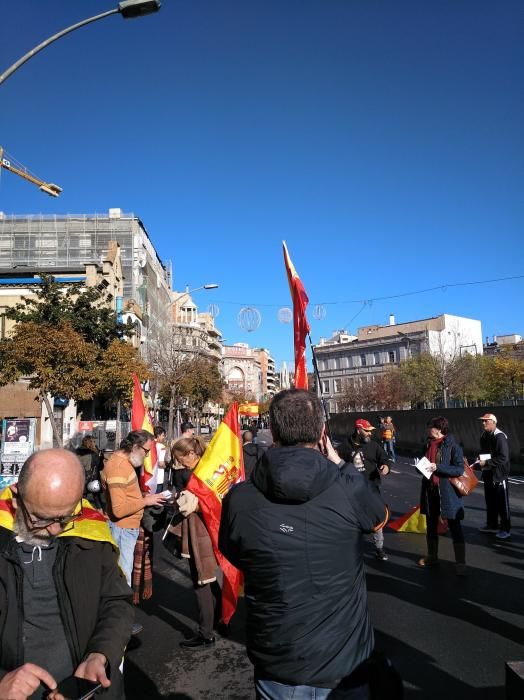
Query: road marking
point(394, 471)
point(517, 482)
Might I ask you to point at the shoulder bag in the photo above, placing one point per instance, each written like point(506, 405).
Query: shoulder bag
point(466, 483)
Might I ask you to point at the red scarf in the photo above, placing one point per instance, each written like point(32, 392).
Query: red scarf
point(431, 454)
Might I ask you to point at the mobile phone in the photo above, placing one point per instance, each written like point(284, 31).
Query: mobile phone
point(73, 688)
point(167, 494)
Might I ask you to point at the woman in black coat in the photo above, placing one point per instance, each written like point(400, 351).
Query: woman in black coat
point(439, 498)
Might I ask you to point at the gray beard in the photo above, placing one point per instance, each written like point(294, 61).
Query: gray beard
point(136, 460)
point(28, 536)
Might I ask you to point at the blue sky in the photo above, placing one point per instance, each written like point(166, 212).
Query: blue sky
point(384, 141)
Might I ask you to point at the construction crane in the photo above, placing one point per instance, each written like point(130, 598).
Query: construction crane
point(47, 187)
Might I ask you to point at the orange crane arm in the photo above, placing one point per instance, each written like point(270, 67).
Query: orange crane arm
point(47, 187)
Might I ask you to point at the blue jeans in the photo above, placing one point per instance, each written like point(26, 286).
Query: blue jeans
point(125, 538)
point(389, 447)
point(271, 690)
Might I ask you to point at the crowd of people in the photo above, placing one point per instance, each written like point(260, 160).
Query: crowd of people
point(76, 532)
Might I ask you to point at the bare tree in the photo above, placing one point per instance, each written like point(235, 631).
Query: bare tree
point(170, 360)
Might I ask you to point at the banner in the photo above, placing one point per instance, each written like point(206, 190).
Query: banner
point(17, 445)
point(300, 324)
point(140, 420)
point(220, 468)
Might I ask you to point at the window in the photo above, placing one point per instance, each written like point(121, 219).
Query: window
point(363, 361)
point(376, 358)
point(336, 363)
point(325, 387)
point(337, 386)
point(391, 356)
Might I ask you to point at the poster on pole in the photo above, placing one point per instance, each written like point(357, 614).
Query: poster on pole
point(18, 443)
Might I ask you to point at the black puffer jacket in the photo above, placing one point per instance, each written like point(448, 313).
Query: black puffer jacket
point(294, 530)
point(94, 599)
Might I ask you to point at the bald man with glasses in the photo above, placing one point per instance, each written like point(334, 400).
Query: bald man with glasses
point(65, 607)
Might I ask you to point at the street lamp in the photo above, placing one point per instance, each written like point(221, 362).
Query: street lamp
point(204, 286)
point(128, 9)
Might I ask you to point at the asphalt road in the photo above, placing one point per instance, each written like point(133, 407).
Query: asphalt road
point(449, 637)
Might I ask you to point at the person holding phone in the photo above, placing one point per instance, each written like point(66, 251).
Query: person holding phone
point(60, 585)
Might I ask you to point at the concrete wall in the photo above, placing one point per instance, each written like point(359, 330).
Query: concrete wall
point(411, 427)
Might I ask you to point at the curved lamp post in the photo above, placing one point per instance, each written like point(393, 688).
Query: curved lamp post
point(128, 9)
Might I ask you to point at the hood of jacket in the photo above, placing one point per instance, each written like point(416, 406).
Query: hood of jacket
point(294, 474)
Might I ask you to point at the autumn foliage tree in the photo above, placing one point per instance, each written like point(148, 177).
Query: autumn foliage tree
point(69, 343)
point(57, 360)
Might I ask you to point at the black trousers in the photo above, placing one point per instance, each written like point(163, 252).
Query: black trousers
point(497, 502)
point(433, 516)
point(209, 600)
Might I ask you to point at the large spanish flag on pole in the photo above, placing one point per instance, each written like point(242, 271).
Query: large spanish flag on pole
point(140, 420)
point(300, 324)
point(220, 467)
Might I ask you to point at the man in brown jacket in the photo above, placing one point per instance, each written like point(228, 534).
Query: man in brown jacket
point(125, 502)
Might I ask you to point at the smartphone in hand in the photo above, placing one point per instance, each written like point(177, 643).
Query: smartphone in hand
point(73, 688)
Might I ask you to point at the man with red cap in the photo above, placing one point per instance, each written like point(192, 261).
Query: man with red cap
point(495, 465)
point(367, 455)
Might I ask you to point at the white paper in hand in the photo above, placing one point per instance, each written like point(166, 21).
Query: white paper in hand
point(424, 467)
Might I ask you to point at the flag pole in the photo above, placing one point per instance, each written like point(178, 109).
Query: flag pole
point(315, 367)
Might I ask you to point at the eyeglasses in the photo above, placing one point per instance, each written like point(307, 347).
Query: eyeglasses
point(146, 452)
point(42, 523)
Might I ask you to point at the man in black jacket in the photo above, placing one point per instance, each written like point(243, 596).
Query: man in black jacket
point(64, 604)
point(369, 457)
point(295, 532)
point(251, 452)
point(495, 473)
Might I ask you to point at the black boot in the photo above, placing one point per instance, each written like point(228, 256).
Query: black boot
point(198, 642)
point(460, 558)
point(432, 557)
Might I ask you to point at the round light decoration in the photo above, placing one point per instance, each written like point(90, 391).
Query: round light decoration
point(319, 312)
point(285, 315)
point(213, 310)
point(249, 318)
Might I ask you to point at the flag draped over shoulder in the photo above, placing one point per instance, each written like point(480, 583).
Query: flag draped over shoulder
point(140, 420)
point(300, 324)
point(220, 467)
point(91, 525)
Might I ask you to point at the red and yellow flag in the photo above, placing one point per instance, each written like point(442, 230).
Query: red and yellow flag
point(300, 324)
point(92, 525)
point(140, 420)
point(220, 468)
point(248, 409)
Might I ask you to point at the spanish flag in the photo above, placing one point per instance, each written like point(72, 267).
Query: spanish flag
point(220, 467)
point(415, 521)
point(91, 525)
point(248, 409)
point(300, 324)
point(140, 420)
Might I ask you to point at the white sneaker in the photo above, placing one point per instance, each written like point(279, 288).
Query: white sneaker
point(503, 535)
